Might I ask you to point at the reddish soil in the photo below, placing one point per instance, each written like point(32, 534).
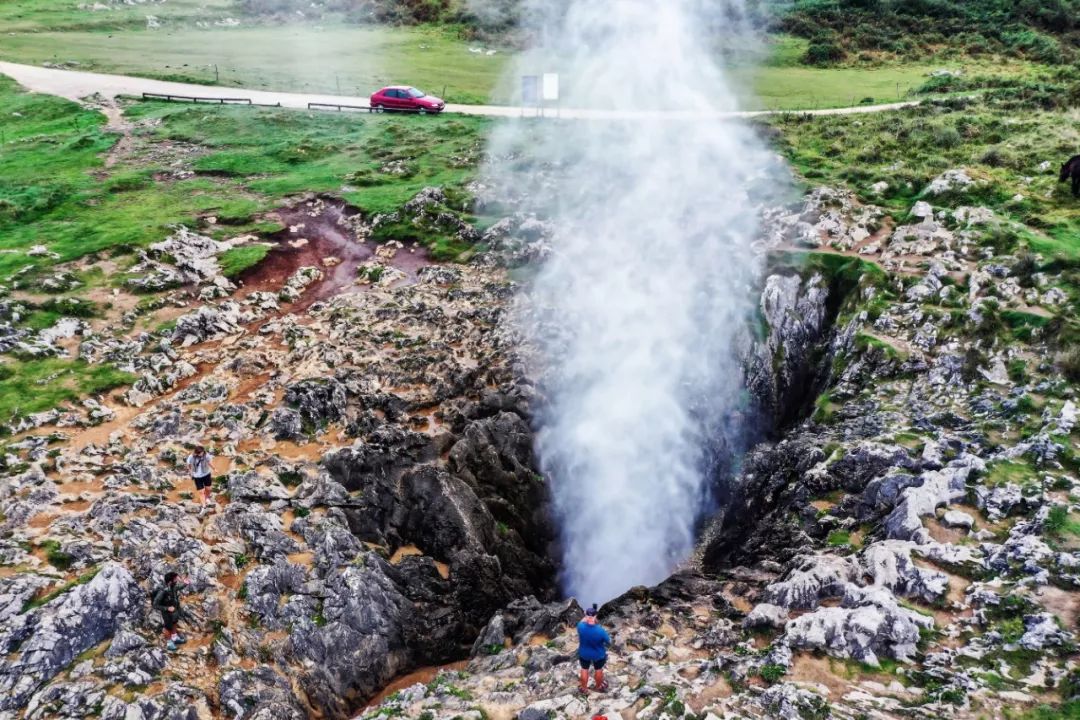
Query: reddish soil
point(319, 236)
point(423, 675)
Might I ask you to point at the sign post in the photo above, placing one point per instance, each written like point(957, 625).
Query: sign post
point(530, 92)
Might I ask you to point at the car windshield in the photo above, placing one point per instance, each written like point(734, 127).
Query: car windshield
point(414, 93)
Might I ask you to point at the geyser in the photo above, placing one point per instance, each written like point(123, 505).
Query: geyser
point(635, 316)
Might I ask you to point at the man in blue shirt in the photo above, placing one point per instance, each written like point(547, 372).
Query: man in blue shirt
point(592, 651)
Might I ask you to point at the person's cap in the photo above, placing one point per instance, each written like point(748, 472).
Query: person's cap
point(591, 612)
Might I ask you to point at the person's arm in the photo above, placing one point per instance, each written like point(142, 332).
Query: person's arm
point(607, 638)
point(160, 601)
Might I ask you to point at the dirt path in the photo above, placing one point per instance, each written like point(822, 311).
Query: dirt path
point(75, 85)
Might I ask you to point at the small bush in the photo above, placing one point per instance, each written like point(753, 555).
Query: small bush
point(772, 673)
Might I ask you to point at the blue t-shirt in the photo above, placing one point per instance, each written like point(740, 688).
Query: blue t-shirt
point(592, 641)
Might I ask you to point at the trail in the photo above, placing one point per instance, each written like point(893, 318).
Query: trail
point(75, 85)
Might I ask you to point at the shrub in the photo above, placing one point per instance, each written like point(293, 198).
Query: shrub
point(824, 52)
point(771, 673)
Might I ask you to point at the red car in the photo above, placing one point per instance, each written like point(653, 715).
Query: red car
point(406, 99)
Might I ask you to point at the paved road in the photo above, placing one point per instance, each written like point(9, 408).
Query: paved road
point(73, 84)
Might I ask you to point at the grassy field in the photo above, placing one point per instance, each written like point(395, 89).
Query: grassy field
point(56, 191)
point(354, 60)
point(1002, 150)
point(21, 16)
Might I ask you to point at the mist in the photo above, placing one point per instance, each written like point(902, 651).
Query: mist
point(634, 320)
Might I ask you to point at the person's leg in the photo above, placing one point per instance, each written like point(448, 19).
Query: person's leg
point(599, 682)
point(584, 676)
point(169, 632)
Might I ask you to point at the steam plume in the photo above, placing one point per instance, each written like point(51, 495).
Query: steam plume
point(636, 314)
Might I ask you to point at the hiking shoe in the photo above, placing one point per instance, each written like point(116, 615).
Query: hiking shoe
point(179, 639)
point(171, 646)
point(602, 687)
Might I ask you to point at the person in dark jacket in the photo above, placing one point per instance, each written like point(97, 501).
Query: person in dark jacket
point(593, 641)
point(167, 602)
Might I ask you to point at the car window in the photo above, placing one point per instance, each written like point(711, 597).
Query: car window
point(392, 93)
point(414, 93)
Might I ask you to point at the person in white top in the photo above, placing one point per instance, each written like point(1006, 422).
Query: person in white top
point(198, 464)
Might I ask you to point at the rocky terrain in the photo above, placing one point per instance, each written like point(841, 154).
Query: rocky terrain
point(376, 497)
point(903, 544)
point(900, 543)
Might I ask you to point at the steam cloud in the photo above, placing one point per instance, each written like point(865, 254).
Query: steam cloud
point(636, 314)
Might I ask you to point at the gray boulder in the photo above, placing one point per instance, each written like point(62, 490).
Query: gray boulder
point(69, 625)
point(868, 625)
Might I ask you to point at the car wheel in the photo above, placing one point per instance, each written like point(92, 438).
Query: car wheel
point(379, 108)
point(423, 111)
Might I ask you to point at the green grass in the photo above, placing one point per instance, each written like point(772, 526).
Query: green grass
point(1066, 711)
point(30, 386)
point(839, 538)
point(238, 259)
point(335, 59)
point(999, 146)
point(17, 16)
point(1060, 522)
point(55, 190)
point(49, 192)
point(354, 61)
point(1003, 472)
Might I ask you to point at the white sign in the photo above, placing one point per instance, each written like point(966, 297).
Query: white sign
point(551, 86)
